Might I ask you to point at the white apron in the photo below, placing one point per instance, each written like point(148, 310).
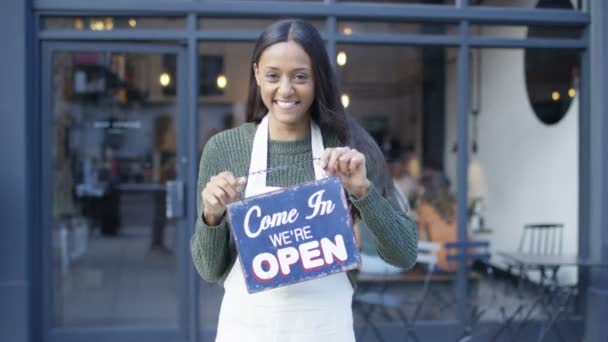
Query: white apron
point(315, 310)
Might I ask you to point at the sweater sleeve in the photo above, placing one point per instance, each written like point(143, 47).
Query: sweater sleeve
point(209, 245)
point(395, 234)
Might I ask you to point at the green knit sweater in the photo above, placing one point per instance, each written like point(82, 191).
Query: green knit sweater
point(213, 253)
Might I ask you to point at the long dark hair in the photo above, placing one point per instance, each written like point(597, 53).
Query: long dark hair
point(326, 109)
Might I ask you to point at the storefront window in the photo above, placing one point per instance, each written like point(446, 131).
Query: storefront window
point(231, 24)
point(114, 149)
point(430, 2)
point(557, 4)
point(113, 23)
point(399, 97)
point(348, 28)
point(515, 164)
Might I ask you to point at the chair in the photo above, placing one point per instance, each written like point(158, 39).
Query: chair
point(371, 294)
point(542, 239)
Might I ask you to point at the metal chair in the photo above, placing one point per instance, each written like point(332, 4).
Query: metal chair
point(542, 239)
point(371, 295)
point(539, 239)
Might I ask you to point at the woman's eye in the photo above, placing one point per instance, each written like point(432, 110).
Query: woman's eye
point(301, 77)
point(272, 77)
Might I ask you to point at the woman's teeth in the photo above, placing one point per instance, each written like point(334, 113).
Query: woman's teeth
point(286, 104)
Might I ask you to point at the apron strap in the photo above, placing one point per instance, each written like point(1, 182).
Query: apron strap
point(256, 183)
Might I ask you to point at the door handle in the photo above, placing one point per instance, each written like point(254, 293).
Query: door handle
point(174, 199)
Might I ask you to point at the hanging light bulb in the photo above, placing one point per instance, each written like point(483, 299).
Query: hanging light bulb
point(221, 81)
point(97, 25)
point(572, 92)
point(345, 100)
point(132, 22)
point(555, 95)
point(341, 58)
point(165, 79)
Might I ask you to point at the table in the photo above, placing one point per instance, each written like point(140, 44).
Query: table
point(549, 295)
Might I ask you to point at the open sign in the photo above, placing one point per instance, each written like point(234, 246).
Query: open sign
point(294, 234)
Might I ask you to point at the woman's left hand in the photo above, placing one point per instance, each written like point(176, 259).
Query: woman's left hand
point(348, 164)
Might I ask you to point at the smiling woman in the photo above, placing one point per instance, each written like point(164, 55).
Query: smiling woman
point(294, 116)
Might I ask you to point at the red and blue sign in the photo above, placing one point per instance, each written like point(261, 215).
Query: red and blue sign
point(294, 234)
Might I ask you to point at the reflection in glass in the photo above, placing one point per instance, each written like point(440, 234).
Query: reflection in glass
point(398, 94)
point(114, 148)
point(357, 27)
point(521, 31)
point(113, 23)
point(511, 183)
point(258, 24)
point(429, 2)
point(557, 4)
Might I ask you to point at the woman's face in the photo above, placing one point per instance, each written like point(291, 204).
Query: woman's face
point(285, 76)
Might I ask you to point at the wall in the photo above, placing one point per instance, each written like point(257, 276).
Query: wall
point(530, 169)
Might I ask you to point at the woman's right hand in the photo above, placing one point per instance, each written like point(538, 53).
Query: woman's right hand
point(221, 190)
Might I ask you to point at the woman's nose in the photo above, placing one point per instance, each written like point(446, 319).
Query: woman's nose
point(285, 87)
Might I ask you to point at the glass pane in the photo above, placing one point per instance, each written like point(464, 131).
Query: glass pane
point(247, 24)
point(263, 0)
point(399, 94)
point(113, 23)
point(355, 27)
point(558, 4)
point(114, 147)
point(217, 112)
point(526, 31)
point(516, 160)
point(429, 2)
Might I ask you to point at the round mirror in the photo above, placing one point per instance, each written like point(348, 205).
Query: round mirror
point(551, 74)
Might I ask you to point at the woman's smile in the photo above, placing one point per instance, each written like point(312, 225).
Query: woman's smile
point(287, 105)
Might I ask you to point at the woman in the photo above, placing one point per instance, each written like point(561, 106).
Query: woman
point(436, 213)
point(294, 115)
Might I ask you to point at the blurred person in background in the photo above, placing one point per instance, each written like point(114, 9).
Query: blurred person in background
point(164, 161)
point(436, 214)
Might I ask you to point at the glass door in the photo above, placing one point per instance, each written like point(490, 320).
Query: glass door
point(114, 167)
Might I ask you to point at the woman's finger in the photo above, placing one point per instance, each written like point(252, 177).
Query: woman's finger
point(332, 164)
point(325, 157)
point(345, 160)
point(220, 195)
point(228, 185)
point(357, 162)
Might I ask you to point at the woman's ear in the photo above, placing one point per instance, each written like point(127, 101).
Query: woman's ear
point(256, 73)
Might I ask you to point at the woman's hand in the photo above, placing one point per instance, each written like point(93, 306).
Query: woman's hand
point(221, 190)
point(349, 165)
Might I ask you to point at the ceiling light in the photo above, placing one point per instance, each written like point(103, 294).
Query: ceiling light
point(341, 58)
point(165, 79)
point(345, 100)
point(221, 81)
point(97, 25)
